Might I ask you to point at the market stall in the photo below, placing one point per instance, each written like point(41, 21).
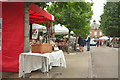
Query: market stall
point(13, 40)
point(37, 26)
point(33, 61)
point(37, 15)
point(41, 55)
point(61, 29)
point(37, 29)
point(13, 31)
point(104, 38)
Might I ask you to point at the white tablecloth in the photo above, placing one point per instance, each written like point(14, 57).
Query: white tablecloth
point(32, 61)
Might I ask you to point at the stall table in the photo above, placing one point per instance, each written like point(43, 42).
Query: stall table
point(33, 61)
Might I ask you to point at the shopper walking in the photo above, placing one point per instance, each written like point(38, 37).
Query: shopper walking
point(80, 43)
point(88, 42)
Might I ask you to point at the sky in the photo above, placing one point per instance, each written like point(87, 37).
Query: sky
point(98, 8)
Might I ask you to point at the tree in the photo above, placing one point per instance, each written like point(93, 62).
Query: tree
point(73, 15)
point(26, 23)
point(83, 31)
point(110, 19)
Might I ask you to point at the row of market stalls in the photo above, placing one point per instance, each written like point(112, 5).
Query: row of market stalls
point(58, 30)
point(13, 31)
point(13, 34)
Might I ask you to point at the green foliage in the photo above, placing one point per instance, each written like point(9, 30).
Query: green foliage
point(75, 16)
point(41, 4)
point(110, 19)
point(83, 31)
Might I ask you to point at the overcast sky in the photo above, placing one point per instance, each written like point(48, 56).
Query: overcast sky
point(97, 8)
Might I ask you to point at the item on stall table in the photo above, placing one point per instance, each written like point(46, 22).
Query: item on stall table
point(56, 48)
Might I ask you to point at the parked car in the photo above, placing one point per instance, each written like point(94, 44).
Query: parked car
point(92, 43)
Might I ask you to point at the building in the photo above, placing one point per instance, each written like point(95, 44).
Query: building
point(95, 31)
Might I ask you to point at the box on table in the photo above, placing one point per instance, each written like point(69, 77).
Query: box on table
point(41, 48)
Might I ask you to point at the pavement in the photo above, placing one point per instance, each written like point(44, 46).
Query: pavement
point(77, 67)
point(105, 62)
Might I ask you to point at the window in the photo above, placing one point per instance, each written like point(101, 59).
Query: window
point(95, 33)
point(100, 33)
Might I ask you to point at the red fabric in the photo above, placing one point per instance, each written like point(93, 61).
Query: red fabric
point(13, 35)
point(0, 9)
point(37, 15)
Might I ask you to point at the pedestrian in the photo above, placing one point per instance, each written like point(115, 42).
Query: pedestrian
point(88, 42)
point(97, 43)
point(80, 43)
point(84, 42)
point(100, 43)
point(74, 45)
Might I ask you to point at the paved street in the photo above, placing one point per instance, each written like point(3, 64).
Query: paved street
point(77, 67)
point(104, 62)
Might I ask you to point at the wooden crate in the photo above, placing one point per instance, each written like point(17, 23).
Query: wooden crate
point(41, 48)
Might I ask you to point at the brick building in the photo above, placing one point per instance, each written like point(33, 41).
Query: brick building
point(95, 31)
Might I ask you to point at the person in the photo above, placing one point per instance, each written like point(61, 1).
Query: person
point(84, 42)
point(80, 43)
point(100, 43)
point(88, 42)
point(75, 45)
point(108, 42)
point(97, 43)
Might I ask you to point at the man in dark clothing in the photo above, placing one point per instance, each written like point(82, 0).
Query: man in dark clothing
point(80, 42)
point(84, 42)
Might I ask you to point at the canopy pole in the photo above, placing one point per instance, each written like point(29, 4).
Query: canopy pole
point(30, 31)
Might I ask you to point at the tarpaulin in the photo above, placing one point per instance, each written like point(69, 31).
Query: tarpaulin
point(38, 15)
point(0, 9)
point(12, 35)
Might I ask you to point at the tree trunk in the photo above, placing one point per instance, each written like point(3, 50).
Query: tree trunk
point(26, 27)
point(68, 42)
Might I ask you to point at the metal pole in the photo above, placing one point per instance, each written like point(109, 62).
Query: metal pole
point(30, 31)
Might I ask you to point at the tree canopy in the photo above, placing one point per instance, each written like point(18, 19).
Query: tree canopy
point(110, 19)
point(75, 16)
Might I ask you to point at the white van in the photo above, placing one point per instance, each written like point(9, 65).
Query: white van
point(92, 42)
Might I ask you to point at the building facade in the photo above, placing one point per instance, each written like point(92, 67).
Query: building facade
point(95, 31)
